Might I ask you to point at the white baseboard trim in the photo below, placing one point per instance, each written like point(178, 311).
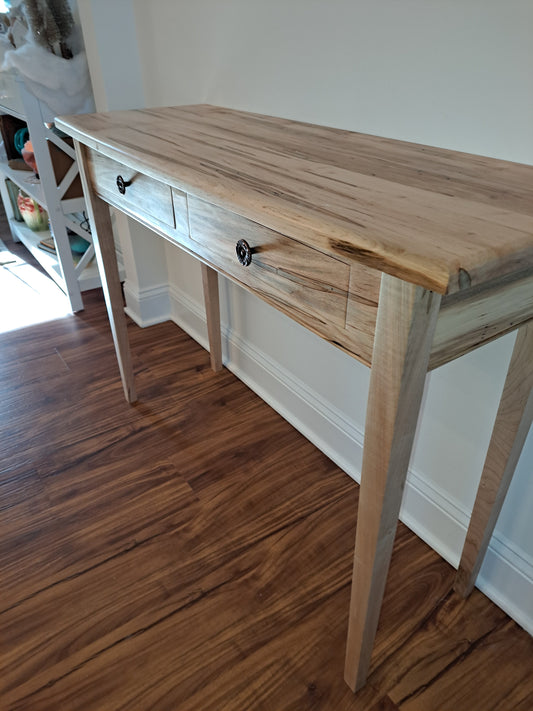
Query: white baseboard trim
point(147, 306)
point(507, 573)
point(506, 576)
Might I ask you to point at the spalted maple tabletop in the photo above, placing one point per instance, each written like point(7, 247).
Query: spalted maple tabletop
point(439, 218)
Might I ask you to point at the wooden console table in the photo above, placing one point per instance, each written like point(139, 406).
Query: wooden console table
point(404, 256)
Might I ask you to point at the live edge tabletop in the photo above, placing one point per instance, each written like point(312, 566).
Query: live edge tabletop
point(405, 256)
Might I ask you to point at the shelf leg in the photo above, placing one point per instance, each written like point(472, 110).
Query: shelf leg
point(513, 420)
point(405, 325)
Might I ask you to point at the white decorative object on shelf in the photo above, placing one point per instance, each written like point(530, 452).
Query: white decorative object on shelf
point(63, 84)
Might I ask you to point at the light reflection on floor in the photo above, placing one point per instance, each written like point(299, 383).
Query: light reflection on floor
point(27, 296)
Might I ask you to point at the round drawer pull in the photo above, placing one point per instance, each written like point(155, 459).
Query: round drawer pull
point(244, 252)
point(122, 184)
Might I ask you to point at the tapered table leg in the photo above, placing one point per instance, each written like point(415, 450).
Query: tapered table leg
point(212, 310)
point(404, 331)
point(104, 249)
point(513, 420)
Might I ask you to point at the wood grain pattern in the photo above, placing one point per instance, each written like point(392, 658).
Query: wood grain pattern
point(513, 420)
point(129, 581)
point(475, 317)
point(406, 321)
point(477, 309)
point(307, 285)
point(144, 196)
point(441, 219)
point(282, 271)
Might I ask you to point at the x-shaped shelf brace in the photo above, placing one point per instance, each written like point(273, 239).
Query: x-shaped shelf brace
point(62, 188)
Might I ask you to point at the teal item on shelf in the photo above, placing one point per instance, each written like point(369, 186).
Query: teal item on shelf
point(77, 244)
point(20, 138)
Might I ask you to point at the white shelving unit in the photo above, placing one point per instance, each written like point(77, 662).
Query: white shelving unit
point(89, 278)
point(72, 275)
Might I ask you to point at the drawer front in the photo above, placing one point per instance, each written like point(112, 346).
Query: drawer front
point(309, 285)
point(144, 197)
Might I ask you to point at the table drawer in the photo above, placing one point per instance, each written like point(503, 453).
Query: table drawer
point(311, 286)
point(143, 196)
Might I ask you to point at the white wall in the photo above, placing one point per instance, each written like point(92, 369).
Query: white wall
point(456, 74)
point(110, 36)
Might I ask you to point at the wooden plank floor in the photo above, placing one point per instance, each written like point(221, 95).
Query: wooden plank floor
point(193, 552)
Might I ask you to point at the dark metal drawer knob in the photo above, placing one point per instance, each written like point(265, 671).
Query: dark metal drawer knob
point(122, 184)
point(244, 252)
